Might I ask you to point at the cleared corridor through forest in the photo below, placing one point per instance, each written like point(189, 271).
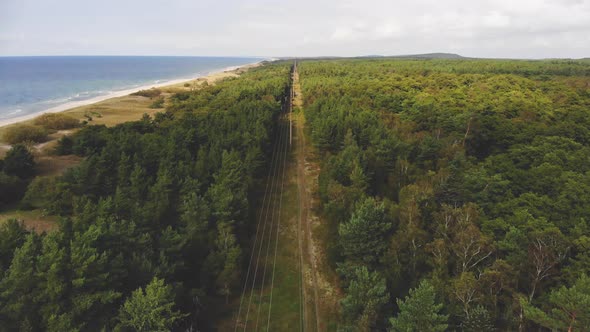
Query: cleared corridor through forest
point(273, 296)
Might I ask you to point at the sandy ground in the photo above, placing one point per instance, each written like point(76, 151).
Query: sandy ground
point(323, 293)
point(3, 149)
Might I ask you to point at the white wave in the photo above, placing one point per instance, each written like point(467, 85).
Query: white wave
point(10, 113)
point(16, 111)
point(57, 100)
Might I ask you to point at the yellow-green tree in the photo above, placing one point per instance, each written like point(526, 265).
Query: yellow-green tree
point(150, 310)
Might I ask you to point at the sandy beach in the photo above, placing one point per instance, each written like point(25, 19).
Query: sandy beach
point(211, 77)
point(116, 107)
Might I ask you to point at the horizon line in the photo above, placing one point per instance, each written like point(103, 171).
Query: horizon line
point(287, 57)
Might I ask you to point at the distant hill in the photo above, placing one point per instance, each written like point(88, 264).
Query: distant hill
point(374, 56)
point(439, 55)
point(419, 56)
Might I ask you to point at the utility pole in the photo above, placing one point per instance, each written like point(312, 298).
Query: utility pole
point(291, 103)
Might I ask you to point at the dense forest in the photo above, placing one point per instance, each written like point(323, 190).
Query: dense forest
point(457, 192)
point(153, 222)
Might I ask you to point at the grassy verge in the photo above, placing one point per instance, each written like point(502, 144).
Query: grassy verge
point(285, 313)
point(286, 299)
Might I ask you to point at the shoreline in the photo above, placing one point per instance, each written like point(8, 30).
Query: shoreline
point(121, 93)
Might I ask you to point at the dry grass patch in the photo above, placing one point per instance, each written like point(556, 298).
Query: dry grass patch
point(56, 121)
point(3, 150)
point(55, 165)
point(114, 111)
point(35, 220)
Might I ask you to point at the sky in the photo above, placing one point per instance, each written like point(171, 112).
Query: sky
point(271, 28)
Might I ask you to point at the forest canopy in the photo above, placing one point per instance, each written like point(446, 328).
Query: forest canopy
point(153, 221)
point(455, 196)
point(463, 186)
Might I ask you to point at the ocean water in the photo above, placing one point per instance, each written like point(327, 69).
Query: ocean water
point(33, 84)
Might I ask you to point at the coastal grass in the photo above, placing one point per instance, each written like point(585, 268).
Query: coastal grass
point(24, 132)
point(56, 121)
point(109, 112)
point(113, 111)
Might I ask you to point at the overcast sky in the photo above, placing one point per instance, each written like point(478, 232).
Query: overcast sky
point(479, 28)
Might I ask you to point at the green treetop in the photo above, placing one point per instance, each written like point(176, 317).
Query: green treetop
point(150, 310)
point(419, 311)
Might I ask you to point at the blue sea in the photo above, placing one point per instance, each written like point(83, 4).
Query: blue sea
point(34, 84)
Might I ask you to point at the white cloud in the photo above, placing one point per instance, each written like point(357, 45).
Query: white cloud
point(387, 30)
point(344, 34)
point(496, 20)
point(493, 28)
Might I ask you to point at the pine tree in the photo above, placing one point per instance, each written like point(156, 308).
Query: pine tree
point(12, 236)
point(419, 311)
point(194, 218)
point(366, 295)
point(160, 197)
point(228, 195)
point(19, 287)
point(363, 238)
point(479, 320)
point(138, 182)
point(92, 293)
point(569, 308)
point(55, 280)
point(194, 221)
point(170, 262)
point(223, 264)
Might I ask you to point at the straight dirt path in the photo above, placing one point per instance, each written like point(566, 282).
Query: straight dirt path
point(309, 270)
point(286, 287)
point(321, 283)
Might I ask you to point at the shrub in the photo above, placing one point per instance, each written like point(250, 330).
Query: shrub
point(150, 93)
point(64, 146)
point(24, 133)
point(39, 192)
point(56, 121)
point(158, 103)
point(19, 161)
point(12, 189)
